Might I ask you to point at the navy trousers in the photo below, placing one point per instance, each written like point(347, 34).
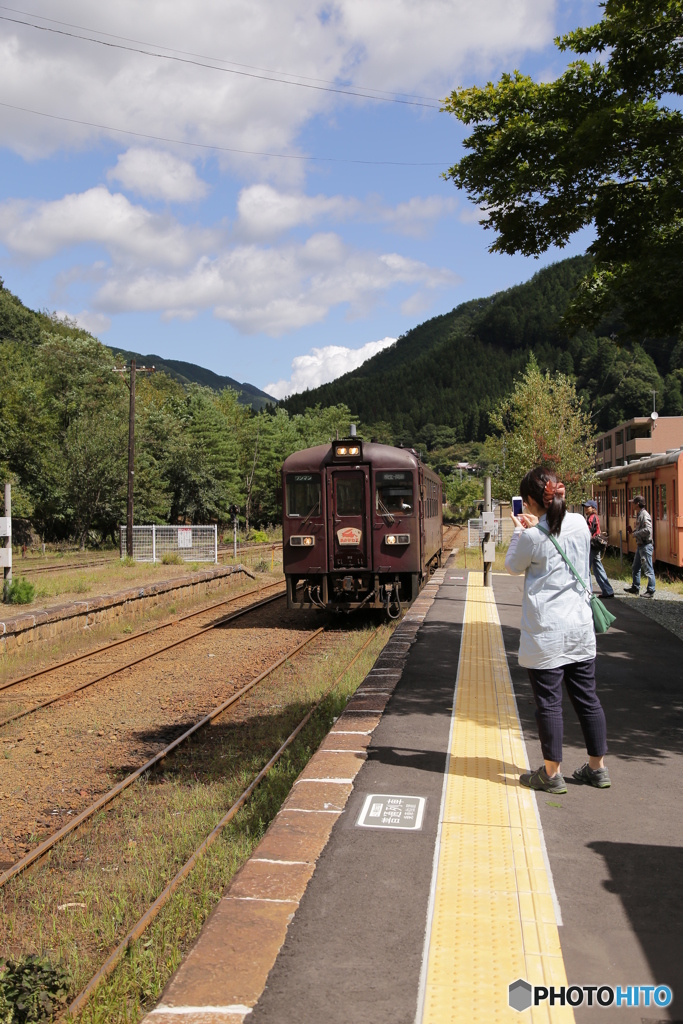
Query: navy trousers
point(579, 678)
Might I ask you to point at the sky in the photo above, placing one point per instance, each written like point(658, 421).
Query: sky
point(162, 188)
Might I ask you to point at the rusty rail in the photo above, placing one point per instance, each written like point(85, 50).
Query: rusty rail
point(44, 847)
point(139, 928)
point(136, 636)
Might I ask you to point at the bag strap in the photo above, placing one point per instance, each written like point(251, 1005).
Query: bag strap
point(579, 578)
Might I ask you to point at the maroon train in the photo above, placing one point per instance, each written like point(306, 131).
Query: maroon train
point(362, 526)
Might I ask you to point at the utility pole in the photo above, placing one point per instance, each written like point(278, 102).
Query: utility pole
point(132, 370)
point(234, 511)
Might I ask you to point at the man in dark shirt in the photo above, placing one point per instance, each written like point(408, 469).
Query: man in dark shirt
point(597, 568)
point(644, 550)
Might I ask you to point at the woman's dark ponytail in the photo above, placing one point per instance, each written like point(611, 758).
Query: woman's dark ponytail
point(547, 491)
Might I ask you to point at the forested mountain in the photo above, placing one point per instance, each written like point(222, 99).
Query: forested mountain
point(19, 323)
point(438, 383)
point(64, 438)
point(190, 373)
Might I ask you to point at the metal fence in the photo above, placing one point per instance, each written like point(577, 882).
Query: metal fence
point(190, 543)
point(474, 535)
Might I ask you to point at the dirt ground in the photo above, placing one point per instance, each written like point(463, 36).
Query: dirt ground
point(57, 760)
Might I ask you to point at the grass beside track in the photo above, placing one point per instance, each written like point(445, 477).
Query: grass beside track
point(71, 583)
point(117, 865)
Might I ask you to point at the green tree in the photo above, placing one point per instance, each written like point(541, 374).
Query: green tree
point(541, 423)
point(596, 146)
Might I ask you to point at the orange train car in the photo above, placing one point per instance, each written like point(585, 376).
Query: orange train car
point(659, 478)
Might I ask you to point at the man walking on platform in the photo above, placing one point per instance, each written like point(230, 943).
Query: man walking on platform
point(644, 550)
point(597, 545)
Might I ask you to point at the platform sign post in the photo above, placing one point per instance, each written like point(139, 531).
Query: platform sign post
point(487, 544)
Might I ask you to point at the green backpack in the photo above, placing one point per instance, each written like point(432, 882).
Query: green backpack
point(602, 619)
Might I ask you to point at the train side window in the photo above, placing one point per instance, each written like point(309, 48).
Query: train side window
point(394, 493)
point(657, 502)
point(662, 502)
point(622, 502)
point(349, 497)
point(303, 494)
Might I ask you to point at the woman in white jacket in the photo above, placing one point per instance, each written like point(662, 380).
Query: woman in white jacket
point(557, 639)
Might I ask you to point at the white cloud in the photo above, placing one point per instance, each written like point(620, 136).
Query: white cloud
point(158, 175)
point(265, 212)
point(159, 265)
point(429, 47)
point(272, 289)
point(325, 364)
point(96, 323)
point(38, 230)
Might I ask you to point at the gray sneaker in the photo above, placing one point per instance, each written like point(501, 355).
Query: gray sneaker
point(541, 780)
point(648, 593)
point(597, 777)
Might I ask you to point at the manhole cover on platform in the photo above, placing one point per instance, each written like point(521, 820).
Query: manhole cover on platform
point(381, 810)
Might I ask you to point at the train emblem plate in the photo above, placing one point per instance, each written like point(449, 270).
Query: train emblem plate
point(349, 536)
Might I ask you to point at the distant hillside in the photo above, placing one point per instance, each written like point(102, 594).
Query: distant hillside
point(450, 371)
point(190, 373)
point(19, 323)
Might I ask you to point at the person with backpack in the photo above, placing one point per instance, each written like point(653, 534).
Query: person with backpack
point(644, 550)
point(557, 640)
point(598, 545)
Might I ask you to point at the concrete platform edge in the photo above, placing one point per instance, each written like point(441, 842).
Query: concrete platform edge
point(223, 975)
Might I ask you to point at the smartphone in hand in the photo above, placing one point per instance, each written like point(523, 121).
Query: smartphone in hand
point(517, 506)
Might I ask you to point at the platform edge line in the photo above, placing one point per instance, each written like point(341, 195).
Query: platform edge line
point(544, 849)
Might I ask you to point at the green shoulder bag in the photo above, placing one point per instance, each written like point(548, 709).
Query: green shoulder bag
point(602, 619)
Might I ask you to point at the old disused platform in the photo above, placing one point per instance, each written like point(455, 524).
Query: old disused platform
point(408, 877)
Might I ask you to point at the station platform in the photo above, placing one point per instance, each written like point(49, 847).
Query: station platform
point(409, 878)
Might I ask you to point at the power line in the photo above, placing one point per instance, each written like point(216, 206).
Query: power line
point(214, 67)
point(225, 149)
point(203, 56)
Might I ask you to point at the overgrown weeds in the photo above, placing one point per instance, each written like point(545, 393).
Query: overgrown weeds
point(31, 989)
point(76, 906)
point(19, 591)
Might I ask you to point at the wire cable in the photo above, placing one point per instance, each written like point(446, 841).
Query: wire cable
point(225, 149)
point(203, 56)
point(214, 67)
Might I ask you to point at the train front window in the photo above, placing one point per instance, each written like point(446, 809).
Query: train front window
point(394, 494)
point(303, 495)
point(349, 497)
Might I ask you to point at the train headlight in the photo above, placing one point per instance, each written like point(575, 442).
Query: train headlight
point(390, 539)
point(300, 541)
point(397, 538)
point(347, 449)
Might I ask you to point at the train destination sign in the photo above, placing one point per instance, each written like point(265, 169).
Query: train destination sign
point(349, 536)
point(382, 810)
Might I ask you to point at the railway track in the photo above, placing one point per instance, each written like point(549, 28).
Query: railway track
point(138, 929)
point(153, 695)
point(65, 567)
point(132, 639)
point(98, 804)
point(146, 797)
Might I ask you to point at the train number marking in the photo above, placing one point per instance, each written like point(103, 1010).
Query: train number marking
point(381, 810)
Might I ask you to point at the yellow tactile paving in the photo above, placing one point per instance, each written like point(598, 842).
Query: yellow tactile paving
point(493, 914)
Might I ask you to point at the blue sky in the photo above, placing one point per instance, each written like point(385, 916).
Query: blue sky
point(281, 272)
